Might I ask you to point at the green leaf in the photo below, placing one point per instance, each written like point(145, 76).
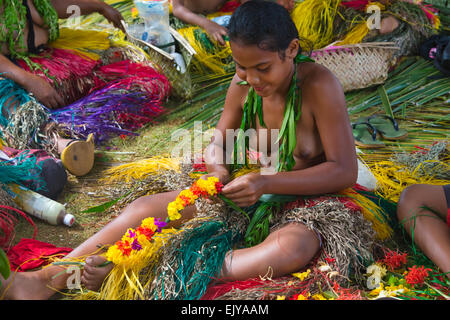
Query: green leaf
point(284, 124)
point(392, 280)
point(233, 205)
point(5, 269)
point(329, 295)
point(292, 140)
point(262, 213)
point(260, 111)
point(103, 207)
point(385, 101)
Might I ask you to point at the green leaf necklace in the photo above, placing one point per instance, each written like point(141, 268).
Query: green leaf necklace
point(287, 136)
point(13, 21)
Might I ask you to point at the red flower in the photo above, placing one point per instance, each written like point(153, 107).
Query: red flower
point(416, 275)
point(146, 232)
point(124, 247)
point(199, 167)
point(393, 259)
point(186, 200)
point(346, 293)
point(219, 187)
point(195, 189)
point(198, 191)
point(303, 296)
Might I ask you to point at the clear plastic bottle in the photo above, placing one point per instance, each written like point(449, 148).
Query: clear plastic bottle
point(155, 14)
point(41, 207)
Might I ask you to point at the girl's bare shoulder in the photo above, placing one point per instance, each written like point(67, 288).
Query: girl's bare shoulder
point(237, 91)
point(314, 76)
point(318, 82)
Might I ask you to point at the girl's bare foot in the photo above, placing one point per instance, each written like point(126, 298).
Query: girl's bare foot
point(26, 286)
point(94, 272)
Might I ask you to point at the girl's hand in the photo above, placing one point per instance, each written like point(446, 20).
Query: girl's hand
point(245, 190)
point(43, 92)
point(112, 15)
point(216, 32)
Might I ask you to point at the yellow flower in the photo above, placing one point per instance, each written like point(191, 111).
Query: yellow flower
point(142, 239)
point(209, 185)
point(126, 236)
point(149, 223)
point(173, 212)
point(179, 203)
point(302, 275)
point(376, 292)
point(281, 298)
point(189, 195)
point(392, 291)
point(113, 254)
point(388, 291)
point(302, 297)
point(134, 12)
point(318, 296)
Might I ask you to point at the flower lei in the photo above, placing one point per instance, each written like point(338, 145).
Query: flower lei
point(149, 236)
point(138, 243)
point(200, 188)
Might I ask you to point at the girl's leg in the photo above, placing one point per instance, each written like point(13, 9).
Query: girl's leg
point(284, 251)
point(429, 230)
point(39, 284)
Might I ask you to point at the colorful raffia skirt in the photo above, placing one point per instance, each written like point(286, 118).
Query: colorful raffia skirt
point(109, 87)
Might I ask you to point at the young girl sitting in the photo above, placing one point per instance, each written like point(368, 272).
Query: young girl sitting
point(316, 154)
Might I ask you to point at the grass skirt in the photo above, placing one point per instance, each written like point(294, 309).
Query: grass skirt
point(189, 260)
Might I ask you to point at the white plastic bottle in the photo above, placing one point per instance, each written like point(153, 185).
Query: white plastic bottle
point(155, 14)
point(41, 207)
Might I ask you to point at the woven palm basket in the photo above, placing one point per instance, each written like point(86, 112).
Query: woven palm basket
point(357, 66)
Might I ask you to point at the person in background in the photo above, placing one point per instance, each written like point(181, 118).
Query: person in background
point(36, 34)
point(424, 212)
point(189, 11)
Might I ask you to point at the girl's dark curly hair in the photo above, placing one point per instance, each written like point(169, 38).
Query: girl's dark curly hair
point(264, 24)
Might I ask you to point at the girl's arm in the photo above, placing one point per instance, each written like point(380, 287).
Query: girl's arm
point(43, 92)
point(216, 156)
point(213, 29)
point(88, 7)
